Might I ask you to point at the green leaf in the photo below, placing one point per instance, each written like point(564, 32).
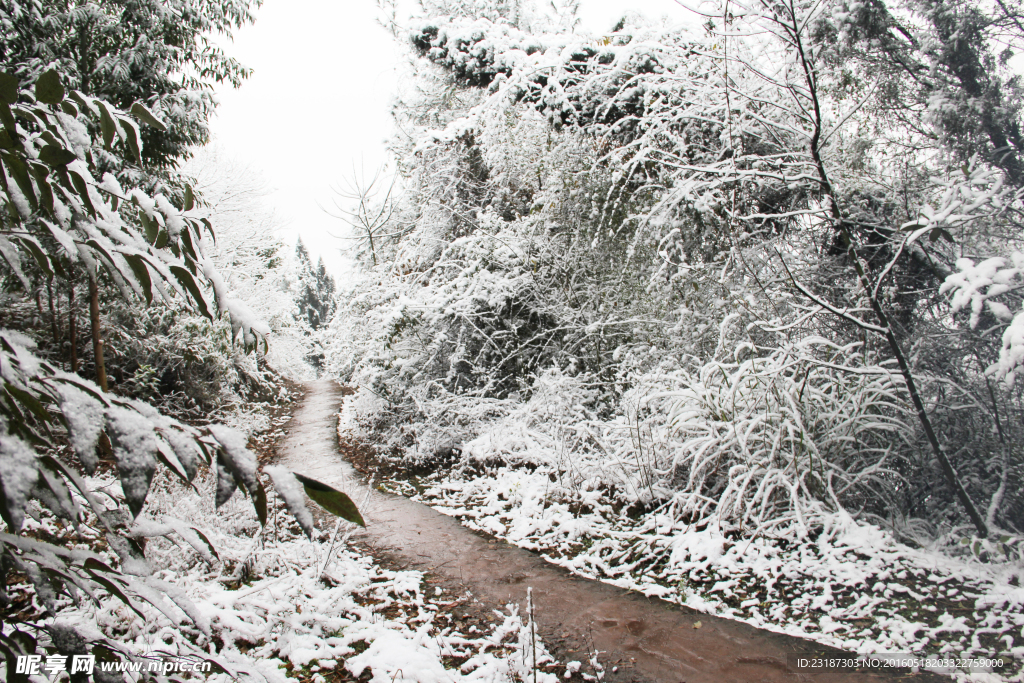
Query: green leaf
point(92, 564)
point(209, 226)
point(331, 499)
point(69, 108)
point(79, 483)
point(227, 483)
point(6, 142)
point(25, 641)
point(133, 141)
point(29, 401)
point(138, 266)
point(7, 118)
point(107, 260)
point(189, 283)
point(186, 242)
point(82, 189)
point(151, 227)
point(50, 477)
point(205, 540)
point(33, 118)
point(143, 114)
point(49, 89)
point(52, 155)
point(19, 169)
point(40, 173)
point(166, 455)
point(114, 591)
point(107, 126)
point(259, 499)
point(190, 199)
point(42, 258)
point(9, 88)
point(936, 233)
point(162, 239)
point(11, 657)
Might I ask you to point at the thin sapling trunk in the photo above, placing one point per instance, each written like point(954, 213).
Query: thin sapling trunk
point(97, 341)
point(795, 31)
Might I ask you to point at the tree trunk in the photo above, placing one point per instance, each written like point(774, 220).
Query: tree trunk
point(843, 227)
point(97, 342)
point(72, 328)
point(53, 319)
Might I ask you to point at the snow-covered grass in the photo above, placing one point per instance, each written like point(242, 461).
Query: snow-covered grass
point(281, 607)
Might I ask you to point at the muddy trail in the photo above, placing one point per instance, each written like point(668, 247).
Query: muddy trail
point(645, 638)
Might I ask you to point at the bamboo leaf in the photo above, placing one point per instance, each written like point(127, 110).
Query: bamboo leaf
point(143, 114)
point(107, 125)
point(114, 591)
point(82, 190)
point(51, 155)
point(189, 283)
point(133, 141)
point(19, 170)
point(138, 266)
point(331, 499)
point(226, 484)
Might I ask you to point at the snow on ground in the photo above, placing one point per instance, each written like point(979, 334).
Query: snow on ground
point(282, 607)
point(850, 586)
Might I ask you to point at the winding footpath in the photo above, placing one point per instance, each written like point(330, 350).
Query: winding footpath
point(654, 640)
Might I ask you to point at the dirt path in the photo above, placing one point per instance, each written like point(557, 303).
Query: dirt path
point(647, 639)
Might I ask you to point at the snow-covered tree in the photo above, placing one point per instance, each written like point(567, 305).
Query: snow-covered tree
point(316, 290)
point(153, 52)
point(79, 198)
point(653, 206)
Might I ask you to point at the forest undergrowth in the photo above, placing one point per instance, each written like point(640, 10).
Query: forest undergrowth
point(269, 604)
point(840, 581)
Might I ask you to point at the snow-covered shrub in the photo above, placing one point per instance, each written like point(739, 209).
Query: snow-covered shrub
point(755, 442)
point(759, 441)
point(43, 404)
point(597, 209)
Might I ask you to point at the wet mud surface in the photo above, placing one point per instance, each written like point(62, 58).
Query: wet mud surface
point(645, 638)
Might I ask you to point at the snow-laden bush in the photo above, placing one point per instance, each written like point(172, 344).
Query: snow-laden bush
point(759, 441)
point(590, 211)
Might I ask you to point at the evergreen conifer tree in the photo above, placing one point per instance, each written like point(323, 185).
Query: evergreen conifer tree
point(315, 300)
point(316, 290)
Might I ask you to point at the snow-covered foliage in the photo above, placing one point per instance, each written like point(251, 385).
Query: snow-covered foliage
point(149, 51)
point(86, 197)
point(315, 300)
point(977, 286)
point(153, 250)
point(41, 401)
point(271, 605)
point(728, 251)
point(250, 255)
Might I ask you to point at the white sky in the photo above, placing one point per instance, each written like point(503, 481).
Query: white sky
point(317, 107)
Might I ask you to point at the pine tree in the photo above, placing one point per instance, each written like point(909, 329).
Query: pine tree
point(316, 291)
